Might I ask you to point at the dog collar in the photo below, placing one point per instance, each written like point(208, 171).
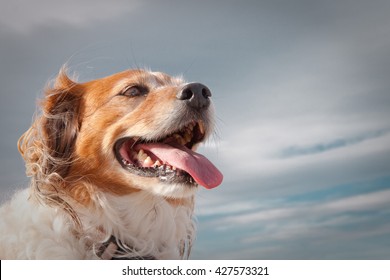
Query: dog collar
point(110, 250)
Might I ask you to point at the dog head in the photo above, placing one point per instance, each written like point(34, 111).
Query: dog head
point(134, 130)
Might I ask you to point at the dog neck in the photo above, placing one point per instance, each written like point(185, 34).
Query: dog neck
point(144, 225)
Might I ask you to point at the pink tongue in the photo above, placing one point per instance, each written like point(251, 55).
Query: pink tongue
point(197, 165)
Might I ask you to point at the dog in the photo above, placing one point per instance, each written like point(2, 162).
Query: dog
point(113, 170)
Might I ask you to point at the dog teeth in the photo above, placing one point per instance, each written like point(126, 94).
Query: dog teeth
point(178, 138)
point(141, 155)
point(185, 138)
point(167, 167)
point(201, 127)
point(148, 162)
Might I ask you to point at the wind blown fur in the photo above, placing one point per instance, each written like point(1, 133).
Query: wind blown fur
point(79, 196)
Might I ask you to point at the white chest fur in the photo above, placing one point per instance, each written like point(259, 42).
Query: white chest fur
point(146, 223)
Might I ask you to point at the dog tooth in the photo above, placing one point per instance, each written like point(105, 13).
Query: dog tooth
point(148, 162)
point(173, 168)
point(201, 127)
point(141, 155)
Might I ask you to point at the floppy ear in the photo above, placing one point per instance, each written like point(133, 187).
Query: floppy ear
point(61, 123)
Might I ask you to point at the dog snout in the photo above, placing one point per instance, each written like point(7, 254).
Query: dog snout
point(196, 95)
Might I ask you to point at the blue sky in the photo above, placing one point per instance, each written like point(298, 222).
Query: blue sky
point(302, 94)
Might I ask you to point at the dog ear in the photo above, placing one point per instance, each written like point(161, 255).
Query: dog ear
point(61, 122)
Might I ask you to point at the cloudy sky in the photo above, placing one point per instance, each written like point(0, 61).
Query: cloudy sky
point(302, 93)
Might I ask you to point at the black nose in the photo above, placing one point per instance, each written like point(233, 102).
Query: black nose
point(195, 95)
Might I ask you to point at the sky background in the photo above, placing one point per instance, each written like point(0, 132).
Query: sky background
point(302, 94)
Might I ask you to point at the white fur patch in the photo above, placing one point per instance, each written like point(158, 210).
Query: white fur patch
point(147, 223)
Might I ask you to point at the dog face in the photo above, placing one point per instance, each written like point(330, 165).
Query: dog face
point(134, 130)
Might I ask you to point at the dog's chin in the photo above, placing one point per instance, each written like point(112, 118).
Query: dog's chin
point(173, 190)
point(158, 187)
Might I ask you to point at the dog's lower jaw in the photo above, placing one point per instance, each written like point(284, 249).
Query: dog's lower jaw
point(175, 191)
point(158, 187)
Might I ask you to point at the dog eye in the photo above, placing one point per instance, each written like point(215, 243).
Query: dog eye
point(134, 91)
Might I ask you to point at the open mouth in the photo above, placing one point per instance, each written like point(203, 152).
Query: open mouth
point(171, 159)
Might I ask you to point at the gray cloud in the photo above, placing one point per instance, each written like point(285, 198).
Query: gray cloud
point(24, 16)
point(286, 76)
point(331, 229)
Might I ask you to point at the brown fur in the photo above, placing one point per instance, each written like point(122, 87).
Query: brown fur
point(68, 149)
